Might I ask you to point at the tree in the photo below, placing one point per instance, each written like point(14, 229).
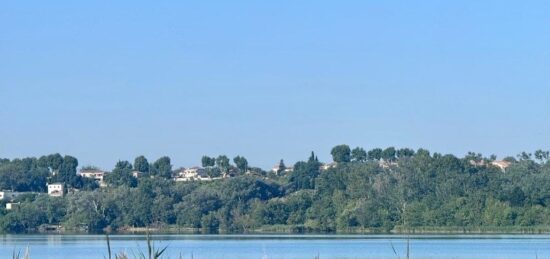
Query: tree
point(23, 175)
point(341, 154)
point(404, 152)
point(163, 167)
point(55, 161)
point(389, 154)
point(516, 197)
point(208, 161)
point(359, 154)
point(223, 163)
point(141, 164)
point(123, 165)
point(313, 157)
point(524, 156)
point(422, 152)
point(304, 174)
point(67, 172)
point(424, 191)
point(122, 175)
point(375, 154)
point(241, 163)
point(281, 167)
point(510, 159)
point(542, 156)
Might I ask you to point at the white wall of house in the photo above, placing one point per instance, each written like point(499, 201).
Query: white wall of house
point(56, 189)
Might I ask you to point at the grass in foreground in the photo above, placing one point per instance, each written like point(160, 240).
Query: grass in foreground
point(17, 255)
point(152, 252)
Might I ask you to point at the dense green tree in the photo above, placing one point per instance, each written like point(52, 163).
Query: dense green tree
point(421, 192)
point(222, 162)
point(138, 209)
point(67, 172)
point(83, 208)
point(208, 161)
point(4, 161)
point(161, 210)
point(389, 154)
point(55, 161)
point(542, 156)
point(141, 164)
point(404, 152)
point(304, 174)
point(358, 154)
point(313, 157)
point(524, 156)
point(121, 175)
point(298, 203)
point(18, 177)
point(375, 154)
point(280, 167)
point(27, 216)
point(241, 163)
point(213, 172)
point(275, 212)
point(192, 208)
point(341, 154)
point(422, 153)
point(163, 167)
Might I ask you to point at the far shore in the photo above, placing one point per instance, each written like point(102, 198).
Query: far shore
point(284, 229)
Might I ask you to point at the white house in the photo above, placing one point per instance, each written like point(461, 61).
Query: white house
point(194, 173)
point(12, 205)
point(280, 168)
point(137, 174)
point(327, 166)
point(56, 189)
point(96, 174)
point(502, 165)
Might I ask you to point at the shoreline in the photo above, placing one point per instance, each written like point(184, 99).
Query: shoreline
point(291, 230)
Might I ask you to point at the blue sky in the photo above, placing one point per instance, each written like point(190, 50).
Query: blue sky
point(109, 80)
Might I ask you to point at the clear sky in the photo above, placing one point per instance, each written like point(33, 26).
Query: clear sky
point(109, 80)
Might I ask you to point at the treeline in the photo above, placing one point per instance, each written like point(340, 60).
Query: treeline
point(376, 190)
point(32, 174)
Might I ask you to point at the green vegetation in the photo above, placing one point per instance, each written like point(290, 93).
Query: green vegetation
point(152, 252)
point(379, 190)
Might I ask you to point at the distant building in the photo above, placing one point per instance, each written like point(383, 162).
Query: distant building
point(387, 164)
point(12, 205)
point(327, 166)
point(280, 168)
point(231, 172)
point(9, 195)
point(476, 163)
point(137, 174)
point(56, 189)
point(192, 174)
point(501, 164)
point(96, 174)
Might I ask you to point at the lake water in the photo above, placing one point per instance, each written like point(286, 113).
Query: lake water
point(284, 246)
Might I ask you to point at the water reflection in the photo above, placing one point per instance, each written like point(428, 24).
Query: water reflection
point(287, 246)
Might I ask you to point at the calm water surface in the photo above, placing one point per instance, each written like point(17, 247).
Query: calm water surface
point(285, 246)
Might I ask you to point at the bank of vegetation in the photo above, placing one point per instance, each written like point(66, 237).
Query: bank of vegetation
point(382, 190)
